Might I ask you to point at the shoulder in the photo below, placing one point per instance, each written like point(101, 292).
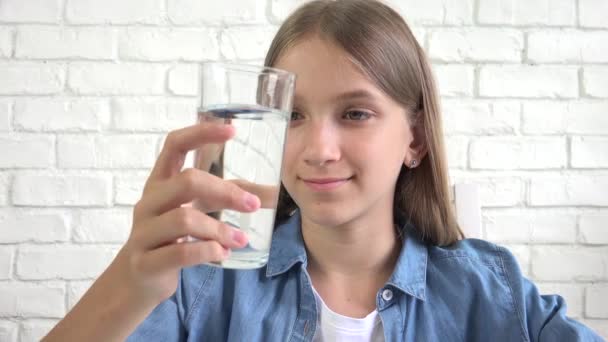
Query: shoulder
point(216, 288)
point(475, 258)
point(475, 251)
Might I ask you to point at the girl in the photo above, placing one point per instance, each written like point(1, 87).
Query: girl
point(366, 246)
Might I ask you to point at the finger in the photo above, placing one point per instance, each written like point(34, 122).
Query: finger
point(184, 221)
point(178, 255)
point(268, 194)
point(179, 142)
point(210, 193)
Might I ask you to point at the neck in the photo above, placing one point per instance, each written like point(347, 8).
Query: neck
point(348, 264)
point(366, 249)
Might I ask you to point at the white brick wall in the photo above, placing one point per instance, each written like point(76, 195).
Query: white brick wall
point(595, 81)
point(48, 42)
point(455, 80)
point(527, 12)
point(89, 88)
point(567, 46)
point(61, 114)
point(528, 81)
point(591, 13)
point(22, 77)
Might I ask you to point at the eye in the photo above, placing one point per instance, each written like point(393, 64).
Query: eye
point(295, 115)
point(357, 115)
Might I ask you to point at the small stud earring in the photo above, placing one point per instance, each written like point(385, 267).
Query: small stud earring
point(414, 163)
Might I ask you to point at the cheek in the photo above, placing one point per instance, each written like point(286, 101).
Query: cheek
point(289, 155)
point(379, 153)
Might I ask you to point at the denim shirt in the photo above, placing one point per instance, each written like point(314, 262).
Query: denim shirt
point(470, 291)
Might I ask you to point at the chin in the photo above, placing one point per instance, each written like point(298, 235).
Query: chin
point(325, 214)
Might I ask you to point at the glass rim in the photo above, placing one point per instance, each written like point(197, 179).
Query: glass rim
point(250, 68)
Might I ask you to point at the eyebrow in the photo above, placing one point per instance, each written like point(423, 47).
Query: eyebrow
point(349, 95)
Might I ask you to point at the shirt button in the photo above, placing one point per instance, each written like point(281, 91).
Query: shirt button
point(387, 295)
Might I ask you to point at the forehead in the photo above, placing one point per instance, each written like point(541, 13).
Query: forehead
point(325, 71)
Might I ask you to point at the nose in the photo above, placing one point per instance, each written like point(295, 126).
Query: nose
point(322, 143)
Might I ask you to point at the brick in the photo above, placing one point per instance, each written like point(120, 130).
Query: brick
point(435, 12)
point(76, 289)
point(6, 108)
point(129, 188)
point(280, 9)
point(102, 225)
point(569, 117)
point(480, 117)
point(27, 151)
point(595, 81)
point(18, 225)
point(569, 190)
point(526, 12)
point(454, 80)
point(575, 263)
point(23, 299)
point(193, 12)
point(565, 46)
point(572, 294)
point(509, 153)
point(61, 115)
point(39, 189)
point(154, 44)
point(596, 301)
point(117, 79)
point(38, 262)
point(592, 13)
point(593, 228)
point(108, 151)
point(184, 80)
point(4, 186)
point(36, 329)
point(589, 152)
point(8, 331)
point(38, 11)
point(115, 12)
point(6, 261)
point(31, 78)
point(522, 256)
point(46, 42)
point(494, 190)
point(479, 44)
point(457, 150)
point(153, 115)
point(246, 43)
point(526, 226)
point(528, 81)
point(77, 151)
point(6, 42)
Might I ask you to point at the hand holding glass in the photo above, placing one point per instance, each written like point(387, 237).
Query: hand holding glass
point(257, 101)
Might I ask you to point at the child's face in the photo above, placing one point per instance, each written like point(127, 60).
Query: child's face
point(346, 128)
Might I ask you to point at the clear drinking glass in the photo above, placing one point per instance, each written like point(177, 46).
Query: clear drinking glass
point(257, 101)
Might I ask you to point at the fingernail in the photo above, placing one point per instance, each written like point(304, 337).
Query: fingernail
point(238, 236)
point(251, 201)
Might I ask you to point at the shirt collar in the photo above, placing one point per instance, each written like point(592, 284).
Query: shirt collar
point(410, 271)
point(287, 249)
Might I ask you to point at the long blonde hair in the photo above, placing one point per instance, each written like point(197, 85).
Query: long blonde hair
point(381, 44)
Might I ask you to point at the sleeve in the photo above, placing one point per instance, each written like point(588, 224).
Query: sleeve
point(543, 317)
point(163, 324)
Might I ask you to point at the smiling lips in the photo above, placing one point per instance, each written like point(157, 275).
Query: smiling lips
point(324, 184)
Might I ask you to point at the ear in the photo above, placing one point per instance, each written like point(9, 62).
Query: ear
point(418, 147)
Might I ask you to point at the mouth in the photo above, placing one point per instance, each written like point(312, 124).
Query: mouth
point(324, 184)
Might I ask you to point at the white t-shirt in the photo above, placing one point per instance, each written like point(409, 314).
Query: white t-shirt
point(332, 326)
